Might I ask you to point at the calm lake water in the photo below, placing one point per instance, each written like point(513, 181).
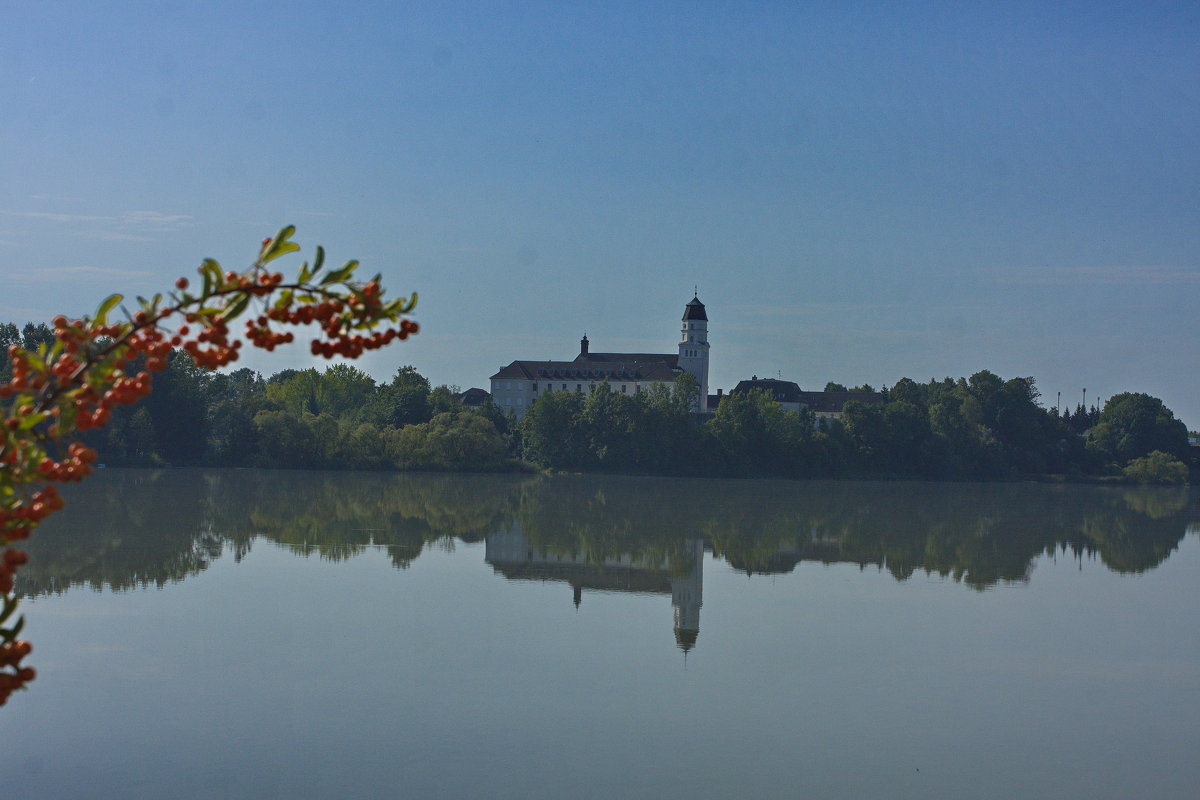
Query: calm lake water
point(242, 634)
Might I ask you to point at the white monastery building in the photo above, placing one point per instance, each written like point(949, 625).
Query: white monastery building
point(519, 384)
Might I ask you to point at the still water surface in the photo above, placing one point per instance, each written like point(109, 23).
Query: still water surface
point(235, 634)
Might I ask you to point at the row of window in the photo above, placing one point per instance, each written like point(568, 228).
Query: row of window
point(550, 388)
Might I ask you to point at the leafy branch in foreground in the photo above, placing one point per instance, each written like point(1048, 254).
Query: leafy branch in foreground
point(93, 365)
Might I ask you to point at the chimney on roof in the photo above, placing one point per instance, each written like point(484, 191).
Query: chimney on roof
point(583, 345)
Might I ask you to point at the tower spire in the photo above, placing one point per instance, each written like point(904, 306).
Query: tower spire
point(693, 347)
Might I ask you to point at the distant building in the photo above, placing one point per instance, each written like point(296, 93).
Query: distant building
point(519, 384)
point(473, 398)
point(824, 405)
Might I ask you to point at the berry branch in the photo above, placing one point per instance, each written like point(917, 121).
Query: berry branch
point(94, 365)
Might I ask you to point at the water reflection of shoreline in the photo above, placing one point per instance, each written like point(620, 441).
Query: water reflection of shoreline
point(130, 528)
point(681, 575)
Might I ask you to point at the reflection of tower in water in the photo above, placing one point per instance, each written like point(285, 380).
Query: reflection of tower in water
point(512, 556)
point(687, 595)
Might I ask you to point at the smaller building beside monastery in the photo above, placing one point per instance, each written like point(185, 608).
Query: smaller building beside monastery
point(824, 405)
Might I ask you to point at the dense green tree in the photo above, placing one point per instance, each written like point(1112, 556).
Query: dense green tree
point(179, 409)
point(343, 390)
point(233, 400)
point(552, 433)
point(141, 443)
point(441, 401)
point(402, 401)
point(340, 390)
point(610, 426)
point(889, 438)
point(907, 390)
point(754, 435)
point(34, 335)
point(452, 440)
point(1133, 425)
point(287, 440)
point(357, 446)
point(295, 391)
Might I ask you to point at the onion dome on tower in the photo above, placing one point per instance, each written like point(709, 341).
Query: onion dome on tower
point(694, 311)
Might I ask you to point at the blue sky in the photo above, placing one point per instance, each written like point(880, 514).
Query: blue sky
point(862, 192)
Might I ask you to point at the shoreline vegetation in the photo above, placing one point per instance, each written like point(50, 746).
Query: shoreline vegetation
point(977, 428)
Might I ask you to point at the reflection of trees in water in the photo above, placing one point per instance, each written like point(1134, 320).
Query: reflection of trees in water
point(337, 515)
point(979, 534)
point(127, 528)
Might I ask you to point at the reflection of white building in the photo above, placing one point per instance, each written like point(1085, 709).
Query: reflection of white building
point(512, 556)
point(521, 383)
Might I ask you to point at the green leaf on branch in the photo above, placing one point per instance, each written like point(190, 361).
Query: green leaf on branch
point(108, 305)
point(280, 245)
point(212, 275)
point(405, 306)
point(319, 261)
point(339, 275)
point(237, 306)
point(15, 630)
point(31, 420)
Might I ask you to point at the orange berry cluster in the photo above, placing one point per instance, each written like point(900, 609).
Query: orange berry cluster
point(12, 559)
point(260, 334)
point(337, 320)
point(220, 351)
point(258, 284)
point(353, 345)
point(26, 377)
point(76, 467)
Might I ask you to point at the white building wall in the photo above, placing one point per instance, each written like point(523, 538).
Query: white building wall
point(519, 394)
point(693, 355)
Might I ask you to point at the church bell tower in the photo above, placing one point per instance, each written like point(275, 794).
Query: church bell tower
point(693, 347)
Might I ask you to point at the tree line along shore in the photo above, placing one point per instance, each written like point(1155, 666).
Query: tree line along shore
point(981, 427)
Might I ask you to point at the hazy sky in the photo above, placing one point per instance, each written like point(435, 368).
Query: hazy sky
point(861, 191)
